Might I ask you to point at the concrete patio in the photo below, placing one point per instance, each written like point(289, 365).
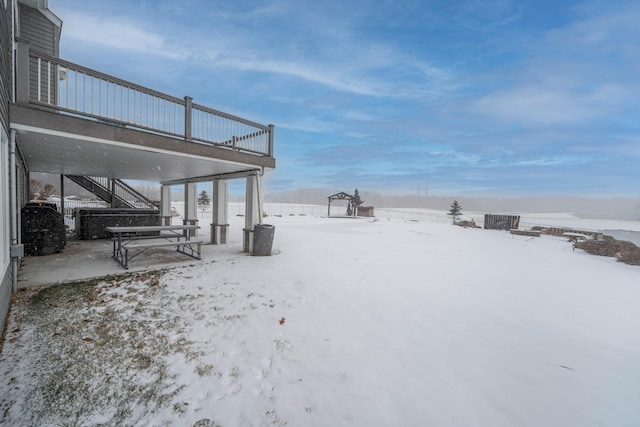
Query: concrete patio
point(88, 259)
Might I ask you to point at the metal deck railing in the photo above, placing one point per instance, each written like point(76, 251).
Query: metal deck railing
point(77, 90)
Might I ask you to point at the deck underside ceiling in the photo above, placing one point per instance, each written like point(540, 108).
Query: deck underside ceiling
point(96, 149)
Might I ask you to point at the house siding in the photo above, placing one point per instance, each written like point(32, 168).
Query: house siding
point(5, 238)
point(40, 32)
point(5, 97)
point(5, 63)
point(5, 295)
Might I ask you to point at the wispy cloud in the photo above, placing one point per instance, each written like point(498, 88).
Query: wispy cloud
point(603, 30)
point(507, 93)
point(552, 161)
point(351, 65)
point(540, 105)
point(579, 73)
point(485, 15)
point(394, 77)
point(118, 34)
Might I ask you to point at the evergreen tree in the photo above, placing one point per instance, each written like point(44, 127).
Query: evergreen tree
point(203, 199)
point(357, 201)
point(455, 210)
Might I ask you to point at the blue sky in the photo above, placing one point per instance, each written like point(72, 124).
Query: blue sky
point(487, 97)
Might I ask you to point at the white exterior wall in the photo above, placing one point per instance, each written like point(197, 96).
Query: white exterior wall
point(5, 237)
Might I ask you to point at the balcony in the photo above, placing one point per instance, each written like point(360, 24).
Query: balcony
point(77, 121)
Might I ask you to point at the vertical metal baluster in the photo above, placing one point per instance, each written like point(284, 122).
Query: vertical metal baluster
point(128, 102)
point(57, 85)
point(67, 98)
point(146, 110)
point(116, 108)
point(39, 80)
point(91, 80)
point(49, 82)
point(106, 98)
point(194, 123)
point(100, 97)
point(84, 92)
point(75, 90)
point(198, 124)
point(134, 93)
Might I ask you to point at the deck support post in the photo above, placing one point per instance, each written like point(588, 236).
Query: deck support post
point(220, 225)
point(190, 206)
point(165, 204)
point(270, 149)
point(112, 188)
point(253, 209)
point(188, 101)
point(62, 204)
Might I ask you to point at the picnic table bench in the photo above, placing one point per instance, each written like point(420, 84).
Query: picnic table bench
point(128, 239)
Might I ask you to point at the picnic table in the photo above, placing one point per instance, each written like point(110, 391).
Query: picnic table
point(137, 239)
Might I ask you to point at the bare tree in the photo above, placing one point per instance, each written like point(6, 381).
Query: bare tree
point(39, 190)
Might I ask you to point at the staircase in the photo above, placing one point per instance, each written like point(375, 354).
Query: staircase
point(113, 191)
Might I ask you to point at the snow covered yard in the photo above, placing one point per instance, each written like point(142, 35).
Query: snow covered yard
point(353, 322)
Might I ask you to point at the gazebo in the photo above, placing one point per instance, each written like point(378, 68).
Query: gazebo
point(352, 205)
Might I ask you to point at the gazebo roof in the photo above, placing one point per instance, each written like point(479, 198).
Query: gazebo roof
point(340, 195)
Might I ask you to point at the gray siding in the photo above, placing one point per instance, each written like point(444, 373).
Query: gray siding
point(22, 179)
point(5, 97)
point(5, 64)
point(5, 295)
point(38, 30)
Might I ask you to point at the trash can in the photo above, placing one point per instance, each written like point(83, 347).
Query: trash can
point(263, 239)
point(43, 231)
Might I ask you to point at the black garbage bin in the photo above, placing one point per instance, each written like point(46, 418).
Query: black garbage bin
point(43, 231)
point(263, 239)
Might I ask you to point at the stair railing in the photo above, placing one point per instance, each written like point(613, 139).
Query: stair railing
point(115, 188)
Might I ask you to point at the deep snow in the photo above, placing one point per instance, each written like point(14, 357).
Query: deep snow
point(354, 322)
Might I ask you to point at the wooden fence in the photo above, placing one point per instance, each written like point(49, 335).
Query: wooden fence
point(501, 222)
